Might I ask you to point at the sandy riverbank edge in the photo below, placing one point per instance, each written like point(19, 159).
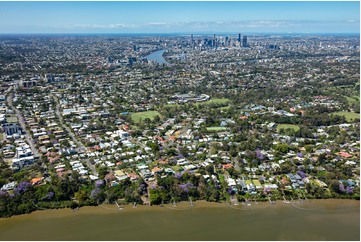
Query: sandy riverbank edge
point(182, 206)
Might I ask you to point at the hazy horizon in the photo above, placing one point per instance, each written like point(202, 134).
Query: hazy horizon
point(179, 17)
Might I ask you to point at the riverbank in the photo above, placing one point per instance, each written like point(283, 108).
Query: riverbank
point(313, 220)
point(111, 208)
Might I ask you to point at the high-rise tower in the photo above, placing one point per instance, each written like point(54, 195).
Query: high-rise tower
point(244, 42)
point(192, 42)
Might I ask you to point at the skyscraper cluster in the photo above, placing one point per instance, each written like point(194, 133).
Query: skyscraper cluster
point(220, 41)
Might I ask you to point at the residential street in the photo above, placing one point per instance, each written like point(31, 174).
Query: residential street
point(28, 137)
point(80, 145)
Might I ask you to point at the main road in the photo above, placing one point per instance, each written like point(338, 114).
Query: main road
point(71, 134)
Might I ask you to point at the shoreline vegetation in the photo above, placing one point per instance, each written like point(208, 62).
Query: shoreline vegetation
point(308, 204)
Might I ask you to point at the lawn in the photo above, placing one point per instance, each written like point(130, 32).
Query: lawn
point(287, 126)
point(256, 182)
point(137, 117)
point(221, 179)
point(216, 101)
point(348, 115)
point(216, 129)
point(248, 182)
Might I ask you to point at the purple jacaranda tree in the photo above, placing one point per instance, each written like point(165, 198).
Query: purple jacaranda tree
point(342, 187)
point(95, 192)
point(185, 187)
point(178, 175)
point(259, 154)
point(349, 190)
point(4, 193)
point(190, 185)
point(230, 191)
point(99, 183)
point(301, 174)
point(22, 187)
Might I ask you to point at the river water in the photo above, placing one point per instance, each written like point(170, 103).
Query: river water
point(312, 220)
point(157, 56)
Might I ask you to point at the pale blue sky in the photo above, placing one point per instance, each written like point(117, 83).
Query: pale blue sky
point(170, 17)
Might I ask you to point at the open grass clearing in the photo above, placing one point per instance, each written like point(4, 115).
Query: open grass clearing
point(140, 116)
point(287, 126)
point(217, 101)
point(256, 182)
point(248, 182)
point(348, 115)
point(216, 129)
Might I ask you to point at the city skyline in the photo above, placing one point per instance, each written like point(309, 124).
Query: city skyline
point(179, 17)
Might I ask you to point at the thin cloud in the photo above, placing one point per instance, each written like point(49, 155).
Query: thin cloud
point(352, 21)
point(103, 26)
point(248, 25)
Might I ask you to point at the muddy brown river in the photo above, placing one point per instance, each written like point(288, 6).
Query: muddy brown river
point(310, 220)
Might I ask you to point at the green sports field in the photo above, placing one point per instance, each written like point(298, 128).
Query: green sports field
point(287, 126)
point(140, 116)
point(217, 101)
point(216, 129)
